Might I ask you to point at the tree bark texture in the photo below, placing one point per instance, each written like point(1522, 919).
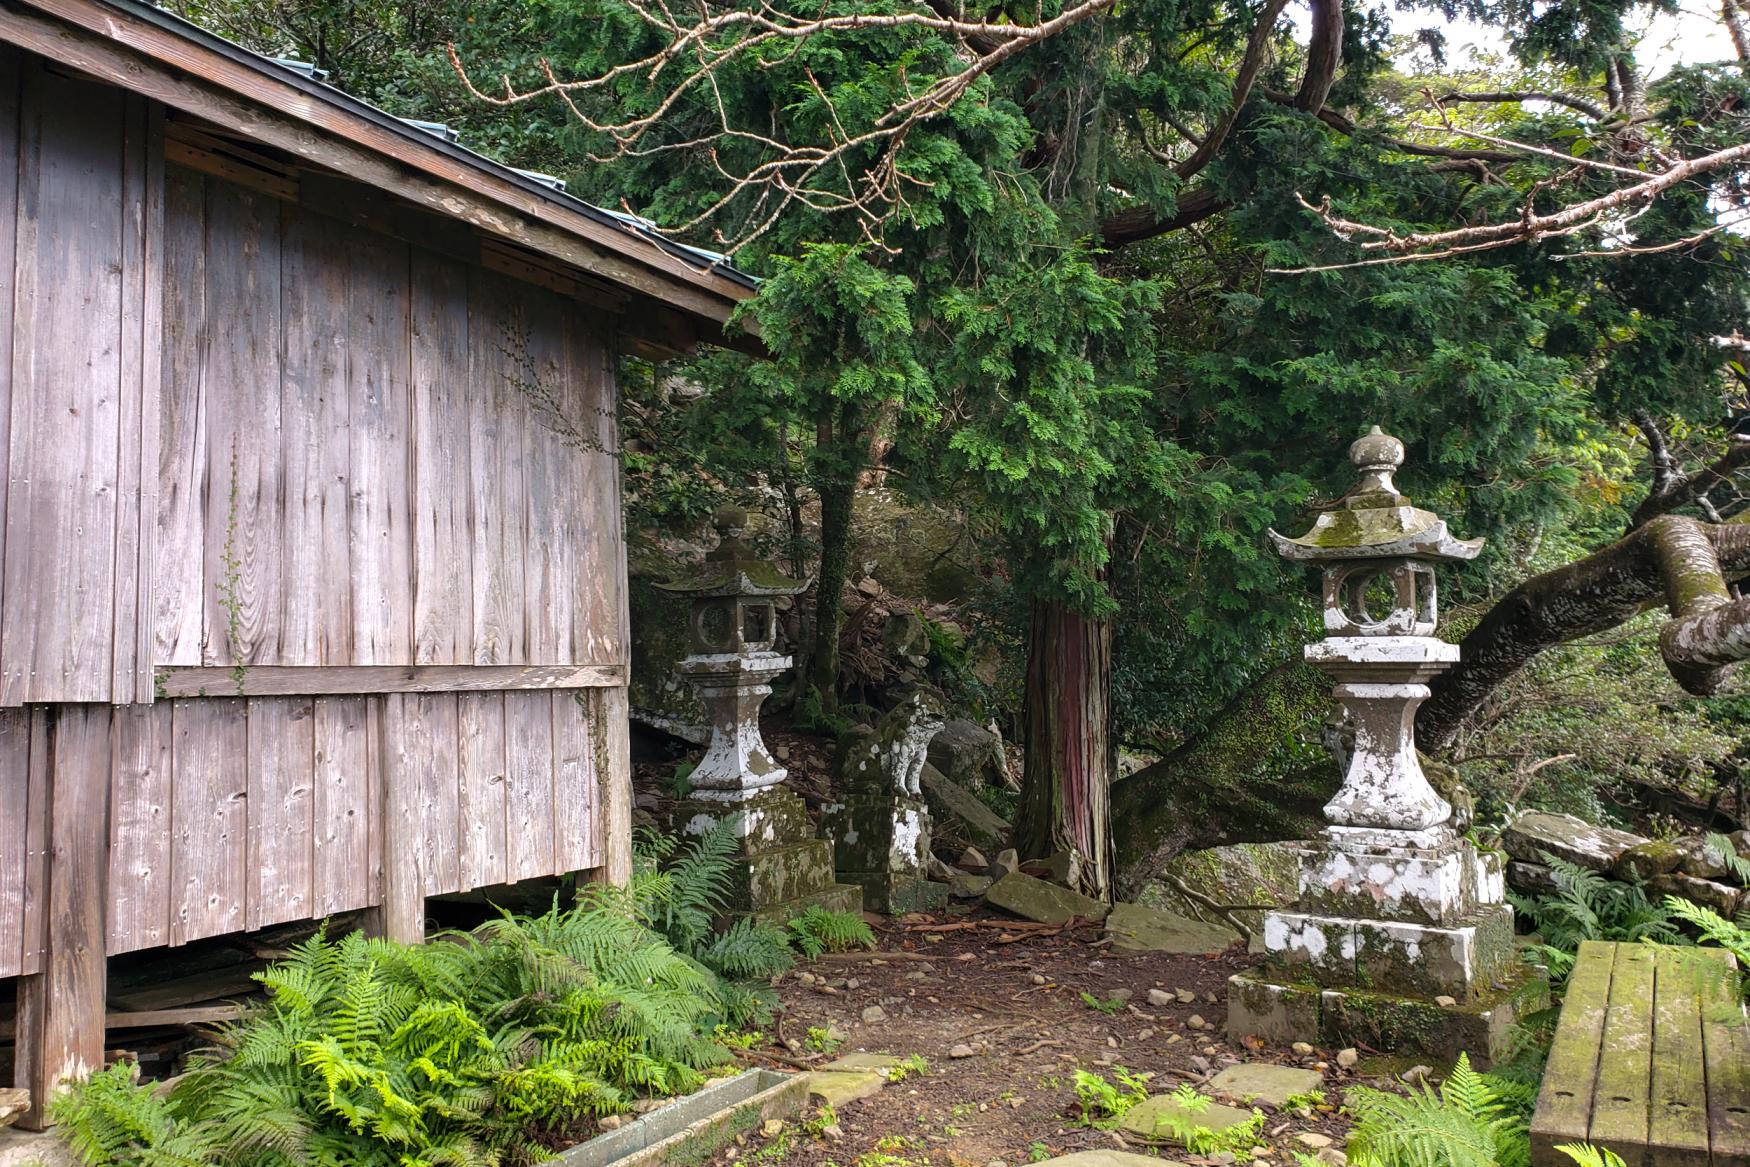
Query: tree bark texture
point(1066, 786)
point(1681, 560)
point(837, 488)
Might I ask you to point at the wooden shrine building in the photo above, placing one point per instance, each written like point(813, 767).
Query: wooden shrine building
point(312, 585)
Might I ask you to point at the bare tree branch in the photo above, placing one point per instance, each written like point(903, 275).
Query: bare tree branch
point(1580, 105)
point(1257, 51)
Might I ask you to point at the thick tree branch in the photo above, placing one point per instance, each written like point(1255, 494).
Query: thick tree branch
point(1682, 560)
point(1574, 103)
point(1671, 487)
point(1348, 129)
point(1139, 223)
point(1257, 51)
point(1324, 55)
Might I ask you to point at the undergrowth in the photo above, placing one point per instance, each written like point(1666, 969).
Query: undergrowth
point(462, 1052)
point(1589, 906)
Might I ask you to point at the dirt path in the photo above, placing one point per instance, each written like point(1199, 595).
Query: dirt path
point(1019, 1005)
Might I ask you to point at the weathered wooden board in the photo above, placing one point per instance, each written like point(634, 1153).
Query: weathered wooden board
point(140, 800)
point(11, 167)
point(480, 729)
point(528, 784)
point(344, 822)
point(1677, 1092)
point(442, 566)
point(209, 851)
point(57, 625)
point(301, 680)
point(495, 421)
point(15, 818)
point(282, 817)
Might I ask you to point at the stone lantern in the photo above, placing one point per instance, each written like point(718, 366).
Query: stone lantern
point(1401, 939)
point(780, 867)
point(731, 630)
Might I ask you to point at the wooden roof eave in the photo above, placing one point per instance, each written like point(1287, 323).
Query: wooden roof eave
point(122, 44)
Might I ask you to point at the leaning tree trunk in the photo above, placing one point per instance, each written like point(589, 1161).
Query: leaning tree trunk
point(1066, 783)
point(1232, 783)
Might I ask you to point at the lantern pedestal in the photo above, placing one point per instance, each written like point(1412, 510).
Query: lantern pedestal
point(780, 868)
point(732, 687)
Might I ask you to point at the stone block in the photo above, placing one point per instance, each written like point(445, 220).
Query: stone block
point(1280, 1014)
point(1303, 947)
point(786, 872)
point(1034, 899)
point(895, 895)
point(1532, 836)
point(1416, 886)
point(1151, 1119)
point(834, 897)
point(880, 832)
point(962, 813)
point(769, 817)
point(1273, 1085)
point(1101, 1159)
point(843, 1087)
point(1134, 928)
point(862, 1061)
point(1424, 960)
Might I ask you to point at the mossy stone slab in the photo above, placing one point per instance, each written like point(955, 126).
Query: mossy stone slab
point(861, 1061)
point(1265, 1082)
point(841, 1087)
point(1135, 928)
point(1102, 1159)
point(1034, 899)
point(1150, 1119)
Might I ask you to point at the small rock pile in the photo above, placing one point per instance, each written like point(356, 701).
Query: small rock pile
point(1686, 867)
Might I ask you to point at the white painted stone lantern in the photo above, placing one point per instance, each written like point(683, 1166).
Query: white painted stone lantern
point(731, 630)
point(1400, 939)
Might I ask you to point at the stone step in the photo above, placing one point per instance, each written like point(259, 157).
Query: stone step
point(895, 895)
point(836, 897)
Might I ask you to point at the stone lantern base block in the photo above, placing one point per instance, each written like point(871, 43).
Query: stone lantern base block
point(1459, 960)
point(1442, 884)
point(881, 842)
point(780, 868)
point(895, 895)
point(1282, 1013)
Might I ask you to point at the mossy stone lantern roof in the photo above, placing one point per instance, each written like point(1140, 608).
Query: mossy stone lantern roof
point(1373, 520)
point(732, 569)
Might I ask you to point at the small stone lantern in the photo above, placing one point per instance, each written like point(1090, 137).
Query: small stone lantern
point(1401, 938)
point(731, 630)
point(779, 868)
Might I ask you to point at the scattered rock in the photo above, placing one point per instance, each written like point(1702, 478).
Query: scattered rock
point(851, 1063)
point(1160, 998)
point(1346, 1058)
point(1265, 1082)
point(1120, 995)
point(1195, 1021)
point(1532, 879)
point(1446, 1002)
point(1415, 1074)
point(1332, 1156)
point(1701, 860)
point(963, 1051)
point(1145, 1120)
point(1034, 899)
point(1540, 833)
point(1644, 861)
point(772, 1128)
point(969, 754)
point(972, 859)
point(1008, 860)
point(1135, 928)
point(960, 811)
point(966, 886)
point(842, 1087)
point(874, 1015)
point(1313, 1139)
point(1185, 996)
point(1302, 1048)
point(1707, 892)
point(610, 1122)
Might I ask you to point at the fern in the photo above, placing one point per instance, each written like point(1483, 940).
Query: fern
point(1466, 1123)
point(1720, 847)
point(1588, 906)
point(820, 930)
point(1587, 1155)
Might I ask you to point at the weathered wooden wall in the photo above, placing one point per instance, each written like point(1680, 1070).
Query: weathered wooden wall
point(311, 544)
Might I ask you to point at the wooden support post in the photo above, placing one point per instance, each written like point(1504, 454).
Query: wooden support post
point(400, 914)
point(61, 1008)
point(615, 794)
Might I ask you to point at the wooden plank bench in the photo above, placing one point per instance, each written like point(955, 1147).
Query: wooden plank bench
point(1651, 1060)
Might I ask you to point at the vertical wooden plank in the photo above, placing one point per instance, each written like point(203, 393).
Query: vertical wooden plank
point(552, 447)
point(60, 1010)
point(434, 757)
point(528, 735)
point(576, 794)
point(1677, 1104)
point(1726, 1063)
point(315, 596)
point(178, 555)
point(380, 528)
point(495, 422)
point(57, 626)
point(14, 836)
point(442, 548)
point(342, 777)
point(140, 829)
point(138, 344)
point(401, 915)
point(144, 452)
point(36, 836)
point(242, 554)
point(614, 772)
point(11, 167)
point(1564, 1101)
point(604, 628)
point(1619, 1101)
point(209, 763)
point(480, 725)
point(282, 828)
